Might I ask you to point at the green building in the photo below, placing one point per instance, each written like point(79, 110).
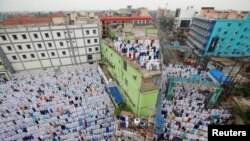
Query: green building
point(139, 86)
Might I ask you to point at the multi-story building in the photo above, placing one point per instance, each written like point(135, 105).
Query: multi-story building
point(137, 21)
point(144, 12)
point(34, 42)
point(220, 33)
point(183, 17)
point(137, 68)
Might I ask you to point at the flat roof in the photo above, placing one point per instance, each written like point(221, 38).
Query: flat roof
point(224, 61)
point(145, 73)
point(106, 19)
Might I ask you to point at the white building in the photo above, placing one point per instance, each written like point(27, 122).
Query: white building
point(183, 17)
point(45, 46)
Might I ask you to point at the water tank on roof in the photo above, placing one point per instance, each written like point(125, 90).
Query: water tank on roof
point(137, 121)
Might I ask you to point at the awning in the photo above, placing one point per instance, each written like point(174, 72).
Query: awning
point(116, 94)
point(219, 76)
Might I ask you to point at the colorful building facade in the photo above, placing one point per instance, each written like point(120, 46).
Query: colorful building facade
point(220, 37)
point(137, 88)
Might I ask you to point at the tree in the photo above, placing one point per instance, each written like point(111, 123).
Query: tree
point(166, 23)
point(243, 90)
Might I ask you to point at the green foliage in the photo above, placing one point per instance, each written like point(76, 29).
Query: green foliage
point(166, 23)
point(243, 113)
point(243, 90)
point(122, 107)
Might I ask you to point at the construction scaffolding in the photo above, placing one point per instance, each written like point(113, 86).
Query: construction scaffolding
point(214, 89)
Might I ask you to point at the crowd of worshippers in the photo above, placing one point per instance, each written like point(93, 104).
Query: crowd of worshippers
point(186, 115)
point(68, 105)
point(3, 79)
point(173, 70)
point(145, 52)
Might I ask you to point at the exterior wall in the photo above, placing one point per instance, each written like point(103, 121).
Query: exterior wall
point(199, 34)
point(2, 68)
point(129, 83)
point(48, 46)
point(233, 38)
point(144, 12)
point(136, 22)
point(58, 20)
point(185, 14)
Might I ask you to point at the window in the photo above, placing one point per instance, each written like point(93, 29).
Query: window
point(239, 24)
point(43, 54)
point(61, 43)
point(134, 76)
point(14, 36)
point(90, 57)
point(47, 35)
point(88, 41)
point(52, 53)
point(94, 31)
point(228, 24)
point(225, 32)
point(222, 39)
point(32, 55)
point(39, 45)
point(236, 32)
point(90, 49)
point(20, 47)
point(3, 37)
point(49, 44)
point(9, 48)
point(125, 65)
point(28, 46)
point(126, 82)
point(58, 34)
point(96, 49)
point(87, 32)
point(35, 36)
point(24, 56)
point(14, 57)
point(242, 36)
point(245, 29)
point(95, 40)
point(24, 36)
point(64, 52)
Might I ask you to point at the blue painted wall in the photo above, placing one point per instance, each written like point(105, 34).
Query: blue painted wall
point(234, 38)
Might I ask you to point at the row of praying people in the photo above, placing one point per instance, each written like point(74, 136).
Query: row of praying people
point(69, 105)
point(144, 52)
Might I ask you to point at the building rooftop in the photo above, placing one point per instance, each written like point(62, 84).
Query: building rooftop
point(225, 61)
point(126, 30)
point(210, 12)
point(55, 18)
point(26, 20)
point(129, 57)
point(108, 19)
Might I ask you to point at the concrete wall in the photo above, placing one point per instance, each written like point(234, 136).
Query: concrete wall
point(129, 83)
point(233, 37)
point(47, 46)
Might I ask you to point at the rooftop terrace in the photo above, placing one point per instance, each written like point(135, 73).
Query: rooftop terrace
point(146, 67)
